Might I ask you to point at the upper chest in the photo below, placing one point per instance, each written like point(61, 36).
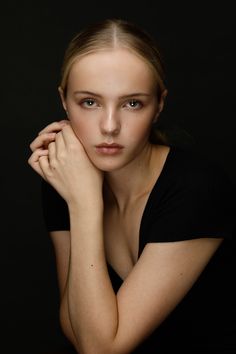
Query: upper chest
point(122, 237)
point(122, 230)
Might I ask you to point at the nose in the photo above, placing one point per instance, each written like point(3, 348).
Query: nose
point(110, 123)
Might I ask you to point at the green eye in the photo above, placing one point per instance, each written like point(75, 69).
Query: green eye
point(134, 104)
point(88, 102)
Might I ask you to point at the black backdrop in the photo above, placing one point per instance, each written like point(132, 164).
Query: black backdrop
point(197, 40)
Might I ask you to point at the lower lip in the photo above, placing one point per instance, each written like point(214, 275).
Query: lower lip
point(108, 150)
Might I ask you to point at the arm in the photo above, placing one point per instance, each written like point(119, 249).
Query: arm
point(103, 322)
point(61, 244)
point(152, 304)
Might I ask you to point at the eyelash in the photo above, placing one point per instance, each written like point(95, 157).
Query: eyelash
point(140, 105)
point(84, 102)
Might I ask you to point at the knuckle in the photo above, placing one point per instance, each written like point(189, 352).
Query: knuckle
point(51, 144)
point(57, 135)
point(61, 156)
point(53, 163)
point(31, 159)
point(48, 174)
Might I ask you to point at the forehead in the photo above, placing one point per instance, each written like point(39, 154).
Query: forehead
point(116, 70)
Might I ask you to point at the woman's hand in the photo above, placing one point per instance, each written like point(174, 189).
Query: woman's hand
point(59, 157)
point(39, 145)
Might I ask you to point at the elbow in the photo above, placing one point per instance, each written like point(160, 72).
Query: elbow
point(95, 346)
point(64, 323)
point(98, 348)
point(66, 326)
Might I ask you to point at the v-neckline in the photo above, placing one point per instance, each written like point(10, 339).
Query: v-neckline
point(155, 186)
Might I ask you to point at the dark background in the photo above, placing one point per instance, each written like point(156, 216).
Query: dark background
point(197, 40)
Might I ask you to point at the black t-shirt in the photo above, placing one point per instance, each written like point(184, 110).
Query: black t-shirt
point(192, 198)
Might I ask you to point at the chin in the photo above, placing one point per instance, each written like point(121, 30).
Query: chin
point(109, 166)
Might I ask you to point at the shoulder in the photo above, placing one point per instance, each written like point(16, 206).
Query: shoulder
point(195, 169)
point(189, 161)
point(194, 198)
point(200, 180)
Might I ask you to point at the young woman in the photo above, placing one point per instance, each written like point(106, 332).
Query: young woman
point(142, 229)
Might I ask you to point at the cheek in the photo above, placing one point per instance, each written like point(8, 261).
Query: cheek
point(79, 123)
point(139, 131)
point(82, 129)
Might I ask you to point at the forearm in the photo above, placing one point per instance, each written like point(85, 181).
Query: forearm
point(92, 302)
point(65, 322)
point(61, 243)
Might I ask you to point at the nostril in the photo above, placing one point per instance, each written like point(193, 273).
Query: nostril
point(110, 126)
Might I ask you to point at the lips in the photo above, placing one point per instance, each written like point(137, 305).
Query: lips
point(109, 149)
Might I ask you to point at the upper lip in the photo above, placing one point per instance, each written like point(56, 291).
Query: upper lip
point(113, 145)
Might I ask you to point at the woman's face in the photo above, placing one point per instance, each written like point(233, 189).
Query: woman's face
point(111, 103)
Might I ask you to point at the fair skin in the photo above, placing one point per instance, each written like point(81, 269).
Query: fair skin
point(119, 108)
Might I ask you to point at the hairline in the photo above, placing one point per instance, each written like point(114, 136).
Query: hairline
point(116, 46)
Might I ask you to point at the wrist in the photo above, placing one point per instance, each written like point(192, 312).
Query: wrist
point(86, 208)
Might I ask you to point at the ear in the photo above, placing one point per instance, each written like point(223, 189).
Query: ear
point(160, 104)
point(61, 93)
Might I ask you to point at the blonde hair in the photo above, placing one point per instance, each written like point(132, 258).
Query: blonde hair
point(112, 34)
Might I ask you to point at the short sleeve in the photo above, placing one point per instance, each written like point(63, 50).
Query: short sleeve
point(199, 204)
point(55, 210)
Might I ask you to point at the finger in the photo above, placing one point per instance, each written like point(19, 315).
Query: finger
point(52, 155)
point(45, 166)
point(69, 136)
point(54, 127)
point(60, 145)
point(33, 161)
point(42, 141)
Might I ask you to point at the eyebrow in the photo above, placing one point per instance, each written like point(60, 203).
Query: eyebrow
point(136, 94)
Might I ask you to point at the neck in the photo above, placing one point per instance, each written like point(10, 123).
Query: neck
point(123, 187)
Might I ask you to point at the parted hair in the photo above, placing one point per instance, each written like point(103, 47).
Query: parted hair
point(111, 34)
